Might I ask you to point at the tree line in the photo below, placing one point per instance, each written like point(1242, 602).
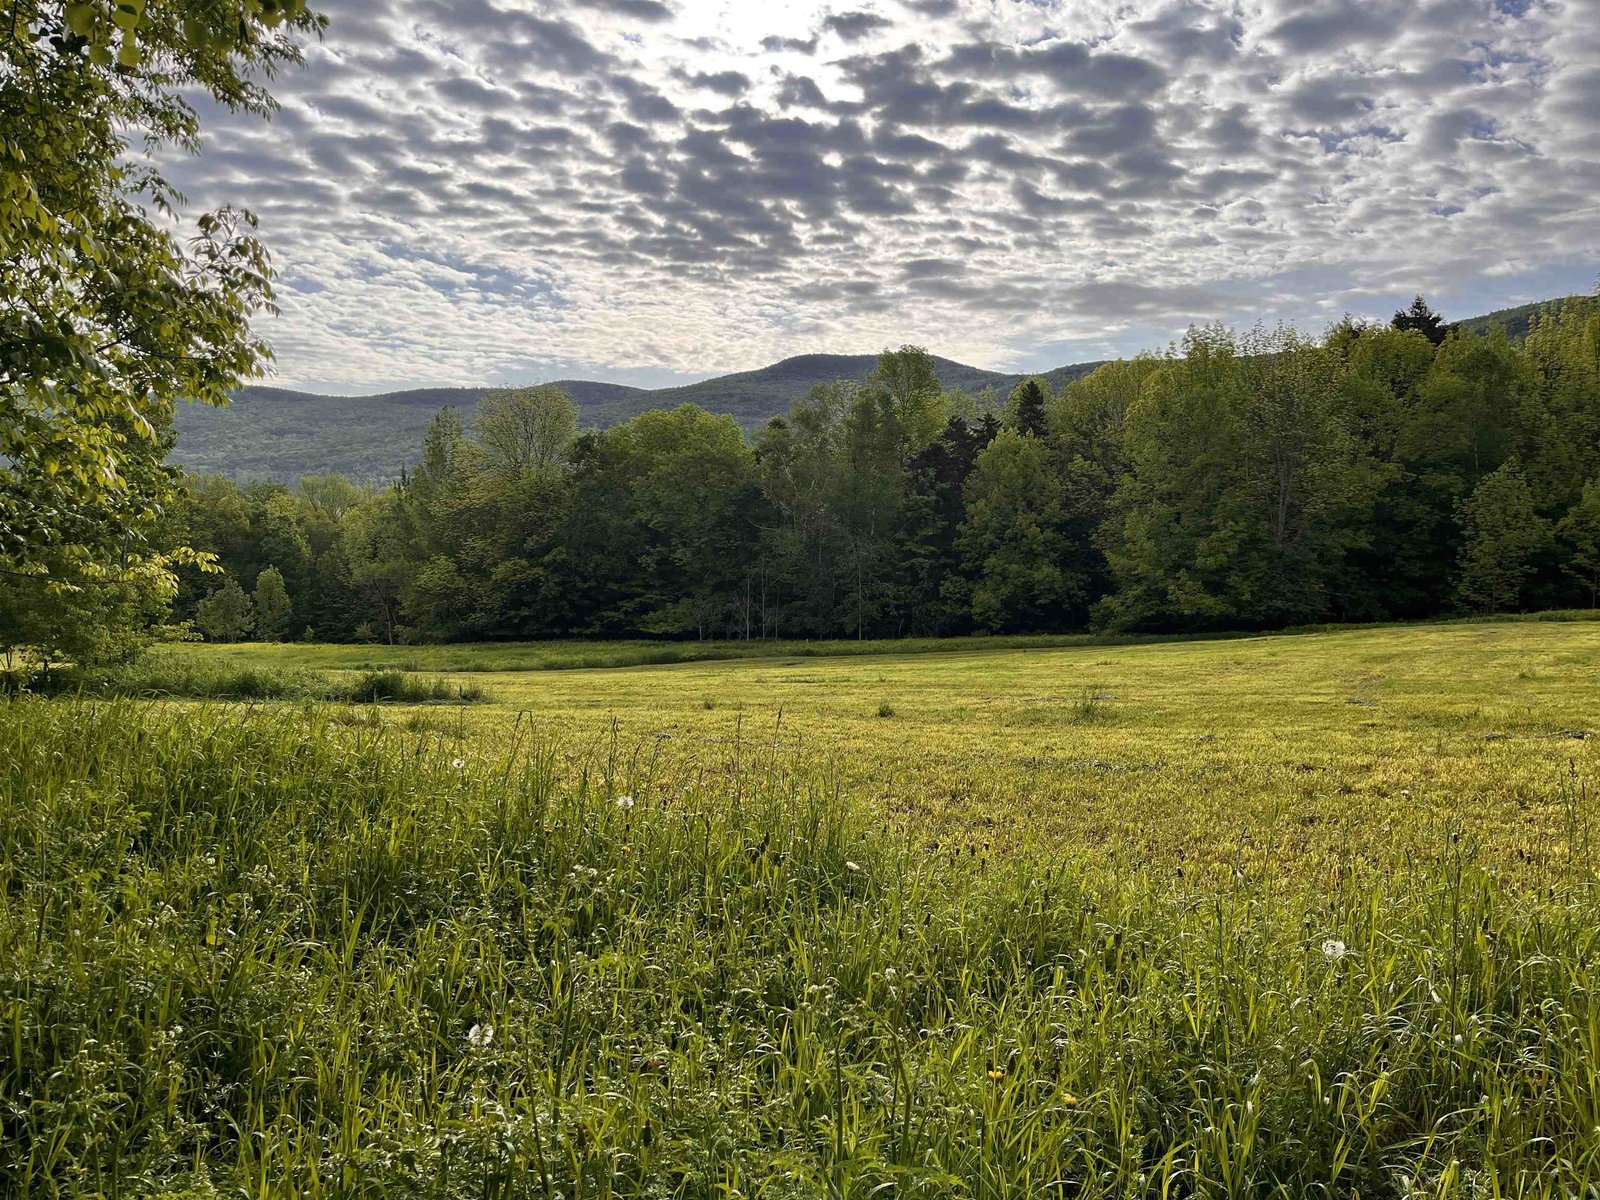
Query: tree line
point(1236, 481)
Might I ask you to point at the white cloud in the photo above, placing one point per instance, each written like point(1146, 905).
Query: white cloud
point(480, 191)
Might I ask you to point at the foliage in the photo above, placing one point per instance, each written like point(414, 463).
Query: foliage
point(227, 614)
point(1241, 481)
point(272, 433)
point(1580, 532)
point(107, 317)
point(306, 952)
point(167, 676)
point(1503, 533)
point(1420, 318)
point(272, 605)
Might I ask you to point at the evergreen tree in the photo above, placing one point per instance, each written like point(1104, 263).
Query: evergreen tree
point(1026, 410)
point(1420, 318)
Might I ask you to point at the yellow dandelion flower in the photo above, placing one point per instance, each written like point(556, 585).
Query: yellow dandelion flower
point(996, 1074)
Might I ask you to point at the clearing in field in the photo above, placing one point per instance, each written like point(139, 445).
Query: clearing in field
point(1275, 752)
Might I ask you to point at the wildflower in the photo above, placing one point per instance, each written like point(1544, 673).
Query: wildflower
point(481, 1037)
point(1333, 949)
point(1068, 1099)
point(851, 866)
point(458, 763)
point(625, 802)
point(996, 1074)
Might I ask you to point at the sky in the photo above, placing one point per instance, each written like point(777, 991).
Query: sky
point(656, 191)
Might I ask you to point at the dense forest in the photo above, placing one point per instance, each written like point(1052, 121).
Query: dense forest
point(1236, 481)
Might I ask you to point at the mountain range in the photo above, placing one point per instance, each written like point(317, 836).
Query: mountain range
point(277, 434)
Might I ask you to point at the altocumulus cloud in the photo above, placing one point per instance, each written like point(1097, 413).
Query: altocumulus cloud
point(646, 189)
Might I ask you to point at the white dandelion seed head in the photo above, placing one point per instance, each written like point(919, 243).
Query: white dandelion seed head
point(624, 802)
point(851, 866)
point(1333, 949)
point(458, 763)
point(481, 1037)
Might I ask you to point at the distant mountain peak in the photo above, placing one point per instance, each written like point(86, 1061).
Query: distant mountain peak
point(278, 433)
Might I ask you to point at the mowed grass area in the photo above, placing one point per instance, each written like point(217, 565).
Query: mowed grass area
point(1284, 754)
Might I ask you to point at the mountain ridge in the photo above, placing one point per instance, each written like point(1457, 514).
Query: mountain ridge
point(281, 434)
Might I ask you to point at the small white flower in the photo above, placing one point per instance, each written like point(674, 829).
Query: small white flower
point(1405, 791)
point(458, 763)
point(624, 802)
point(850, 866)
point(481, 1037)
point(1333, 949)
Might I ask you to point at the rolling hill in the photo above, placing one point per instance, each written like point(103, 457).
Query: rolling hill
point(275, 433)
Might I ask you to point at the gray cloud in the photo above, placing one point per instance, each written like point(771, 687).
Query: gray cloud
point(853, 26)
point(472, 191)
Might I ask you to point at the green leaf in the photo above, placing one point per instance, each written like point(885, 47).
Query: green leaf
point(80, 19)
point(127, 13)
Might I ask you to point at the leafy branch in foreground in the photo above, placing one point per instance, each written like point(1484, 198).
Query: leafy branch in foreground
point(109, 315)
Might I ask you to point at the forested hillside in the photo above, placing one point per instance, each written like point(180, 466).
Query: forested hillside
point(1250, 481)
point(275, 433)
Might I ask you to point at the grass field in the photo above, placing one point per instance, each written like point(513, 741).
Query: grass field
point(1285, 916)
point(1274, 751)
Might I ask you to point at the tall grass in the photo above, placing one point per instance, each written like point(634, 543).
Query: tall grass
point(171, 676)
point(267, 954)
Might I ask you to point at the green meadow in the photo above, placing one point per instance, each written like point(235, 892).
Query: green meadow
point(1278, 749)
point(1276, 916)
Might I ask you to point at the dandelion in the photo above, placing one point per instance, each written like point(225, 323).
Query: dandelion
point(1068, 1099)
point(1333, 949)
point(996, 1074)
point(481, 1037)
point(458, 763)
point(624, 802)
point(851, 866)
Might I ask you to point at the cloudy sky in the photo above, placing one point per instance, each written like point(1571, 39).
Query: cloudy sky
point(652, 191)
